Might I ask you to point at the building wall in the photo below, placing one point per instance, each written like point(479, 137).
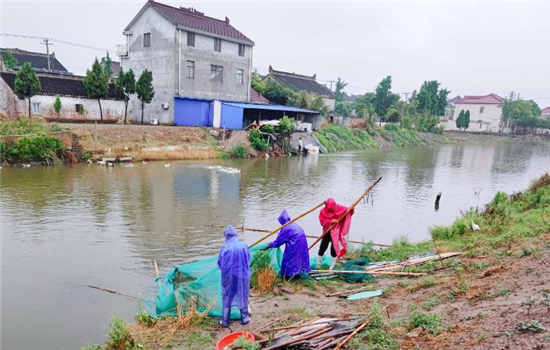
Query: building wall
point(203, 54)
point(13, 106)
point(330, 103)
point(488, 121)
point(160, 58)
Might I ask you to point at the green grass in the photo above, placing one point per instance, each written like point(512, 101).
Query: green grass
point(41, 149)
point(432, 323)
point(197, 340)
point(378, 335)
point(239, 151)
point(119, 336)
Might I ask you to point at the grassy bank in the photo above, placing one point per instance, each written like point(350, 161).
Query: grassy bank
point(336, 138)
point(494, 295)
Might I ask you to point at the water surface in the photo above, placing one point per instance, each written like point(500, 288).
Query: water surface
point(67, 227)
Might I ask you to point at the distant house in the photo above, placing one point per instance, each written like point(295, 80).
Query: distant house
point(38, 60)
point(191, 56)
point(485, 113)
point(545, 113)
point(298, 82)
point(115, 67)
point(74, 99)
point(256, 97)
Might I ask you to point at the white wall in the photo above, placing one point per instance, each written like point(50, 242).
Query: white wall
point(160, 58)
point(112, 109)
point(488, 121)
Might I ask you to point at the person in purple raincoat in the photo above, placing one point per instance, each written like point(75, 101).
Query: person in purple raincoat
point(296, 257)
point(234, 263)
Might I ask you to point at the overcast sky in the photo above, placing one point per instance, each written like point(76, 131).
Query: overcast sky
point(471, 48)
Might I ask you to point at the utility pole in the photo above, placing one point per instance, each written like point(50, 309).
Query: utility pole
point(46, 41)
point(331, 81)
point(406, 96)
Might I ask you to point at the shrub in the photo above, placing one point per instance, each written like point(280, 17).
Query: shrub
point(256, 140)
point(270, 129)
point(371, 131)
point(119, 337)
point(391, 126)
point(43, 149)
point(286, 125)
point(239, 151)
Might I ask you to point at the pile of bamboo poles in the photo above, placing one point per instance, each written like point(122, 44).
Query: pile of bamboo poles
point(321, 333)
point(390, 267)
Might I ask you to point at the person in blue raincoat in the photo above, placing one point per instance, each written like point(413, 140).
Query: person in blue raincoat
point(234, 263)
point(296, 257)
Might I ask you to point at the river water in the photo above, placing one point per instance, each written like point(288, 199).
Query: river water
point(67, 227)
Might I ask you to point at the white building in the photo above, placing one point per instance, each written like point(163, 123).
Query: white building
point(190, 55)
point(485, 113)
point(545, 113)
point(71, 91)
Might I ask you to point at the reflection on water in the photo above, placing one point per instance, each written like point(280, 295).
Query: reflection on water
point(64, 228)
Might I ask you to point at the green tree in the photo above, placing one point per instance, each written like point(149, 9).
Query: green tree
point(258, 84)
point(431, 99)
point(343, 108)
point(301, 100)
point(9, 60)
point(339, 91)
point(360, 110)
point(278, 93)
point(57, 104)
point(145, 90)
point(108, 65)
point(466, 120)
point(125, 84)
point(521, 113)
point(318, 104)
point(384, 98)
point(97, 84)
point(27, 84)
point(460, 120)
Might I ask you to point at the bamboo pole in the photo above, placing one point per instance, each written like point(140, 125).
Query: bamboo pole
point(288, 223)
point(157, 271)
point(390, 273)
point(346, 213)
point(357, 330)
point(348, 292)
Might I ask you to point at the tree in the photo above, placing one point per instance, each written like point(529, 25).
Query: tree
point(145, 90)
point(431, 99)
point(339, 91)
point(97, 84)
point(27, 84)
point(277, 92)
point(521, 112)
point(108, 65)
point(57, 105)
point(343, 108)
point(301, 100)
point(125, 84)
point(460, 120)
point(360, 110)
point(318, 104)
point(466, 120)
point(384, 98)
point(258, 84)
point(9, 60)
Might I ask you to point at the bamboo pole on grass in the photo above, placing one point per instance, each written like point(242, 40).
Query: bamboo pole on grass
point(371, 273)
point(288, 223)
point(346, 213)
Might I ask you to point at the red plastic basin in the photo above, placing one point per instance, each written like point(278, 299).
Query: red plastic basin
point(230, 339)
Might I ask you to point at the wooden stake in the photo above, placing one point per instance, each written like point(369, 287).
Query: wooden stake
point(157, 271)
point(346, 213)
point(389, 273)
point(288, 223)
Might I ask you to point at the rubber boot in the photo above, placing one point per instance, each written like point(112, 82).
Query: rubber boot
point(226, 315)
point(319, 261)
point(333, 262)
point(245, 318)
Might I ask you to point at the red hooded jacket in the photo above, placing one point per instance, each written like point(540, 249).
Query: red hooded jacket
point(329, 215)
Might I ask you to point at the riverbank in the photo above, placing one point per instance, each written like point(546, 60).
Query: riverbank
point(494, 295)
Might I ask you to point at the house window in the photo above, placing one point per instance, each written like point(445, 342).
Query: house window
point(240, 75)
point(36, 108)
point(218, 45)
point(190, 39)
point(241, 50)
point(146, 39)
point(79, 108)
point(481, 109)
point(216, 73)
point(480, 125)
point(191, 69)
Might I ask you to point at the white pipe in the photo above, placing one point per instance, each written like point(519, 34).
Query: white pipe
point(250, 72)
point(179, 63)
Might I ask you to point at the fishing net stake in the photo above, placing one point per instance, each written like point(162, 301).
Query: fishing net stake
point(346, 213)
point(288, 223)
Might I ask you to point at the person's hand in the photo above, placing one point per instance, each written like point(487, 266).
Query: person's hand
point(266, 248)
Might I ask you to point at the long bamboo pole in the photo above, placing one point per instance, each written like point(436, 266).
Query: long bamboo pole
point(357, 242)
point(359, 329)
point(288, 223)
point(389, 273)
point(346, 213)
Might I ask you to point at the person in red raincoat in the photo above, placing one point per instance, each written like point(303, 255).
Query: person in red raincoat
point(329, 215)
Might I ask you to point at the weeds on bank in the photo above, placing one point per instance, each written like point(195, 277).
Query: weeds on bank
point(378, 335)
point(432, 323)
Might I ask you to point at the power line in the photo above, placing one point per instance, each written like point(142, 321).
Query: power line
point(58, 41)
